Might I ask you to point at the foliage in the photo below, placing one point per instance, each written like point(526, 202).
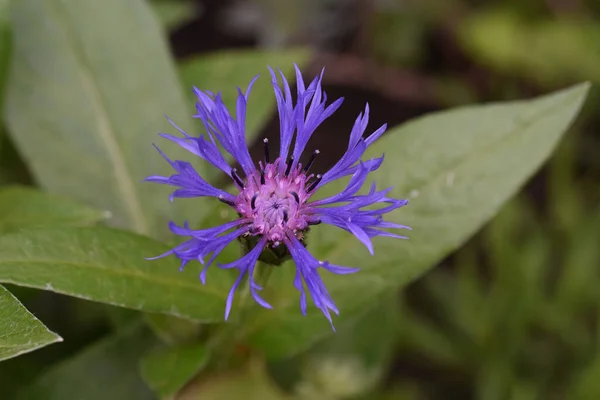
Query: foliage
point(82, 104)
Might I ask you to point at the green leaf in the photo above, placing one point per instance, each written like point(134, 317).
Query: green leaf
point(372, 337)
point(5, 46)
point(173, 330)
point(108, 265)
point(89, 86)
point(166, 371)
point(457, 167)
point(549, 51)
point(349, 363)
point(585, 384)
point(250, 382)
point(171, 13)
point(12, 168)
point(20, 331)
point(224, 71)
point(23, 207)
point(105, 370)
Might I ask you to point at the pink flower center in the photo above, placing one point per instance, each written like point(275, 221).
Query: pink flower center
point(275, 200)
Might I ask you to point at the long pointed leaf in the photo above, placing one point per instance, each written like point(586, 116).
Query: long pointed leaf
point(20, 331)
point(457, 168)
point(109, 266)
point(90, 83)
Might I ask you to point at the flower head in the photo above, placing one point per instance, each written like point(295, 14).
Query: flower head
point(273, 196)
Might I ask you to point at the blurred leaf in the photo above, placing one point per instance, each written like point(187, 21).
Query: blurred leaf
point(420, 334)
point(172, 330)
point(20, 331)
point(119, 317)
point(372, 337)
point(336, 377)
point(349, 363)
point(105, 370)
point(23, 207)
point(567, 207)
point(458, 167)
point(251, 383)
point(402, 391)
point(494, 380)
point(223, 71)
point(579, 275)
point(107, 265)
point(84, 103)
point(5, 51)
point(173, 13)
point(12, 169)
point(585, 384)
point(483, 322)
point(518, 253)
point(398, 37)
point(5, 46)
point(523, 390)
point(557, 50)
point(168, 370)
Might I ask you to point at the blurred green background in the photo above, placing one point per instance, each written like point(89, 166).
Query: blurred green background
point(515, 313)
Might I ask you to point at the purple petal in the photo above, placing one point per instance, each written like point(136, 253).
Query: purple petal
point(254, 288)
point(244, 264)
point(338, 269)
point(189, 182)
point(307, 270)
point(232, 293)
point(219, 122)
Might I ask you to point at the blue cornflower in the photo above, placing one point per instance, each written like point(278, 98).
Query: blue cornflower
point(273, 199)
